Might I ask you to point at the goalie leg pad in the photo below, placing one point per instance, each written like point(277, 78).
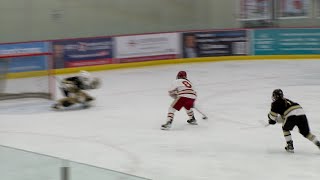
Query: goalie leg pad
point(66, 103)
point(84, 97)
point(65, 92)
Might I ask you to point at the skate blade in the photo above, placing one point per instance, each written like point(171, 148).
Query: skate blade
point(290, 151)
point(165, 128)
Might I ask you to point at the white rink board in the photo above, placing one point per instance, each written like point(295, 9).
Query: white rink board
point(37, 84)
point(122, 131)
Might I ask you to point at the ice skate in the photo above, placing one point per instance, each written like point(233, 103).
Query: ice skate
point(166, 126)
point(289, 148)
point(56, 106)
point(192, 121)
point(318, 144)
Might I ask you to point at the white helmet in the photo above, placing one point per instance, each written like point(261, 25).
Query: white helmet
point(85, 75)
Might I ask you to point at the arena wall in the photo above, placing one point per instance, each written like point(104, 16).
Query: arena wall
point(139, 50)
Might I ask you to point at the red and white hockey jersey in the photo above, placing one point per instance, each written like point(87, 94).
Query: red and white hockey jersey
point(183, 88)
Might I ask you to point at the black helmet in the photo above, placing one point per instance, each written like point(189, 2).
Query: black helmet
point(277, 94)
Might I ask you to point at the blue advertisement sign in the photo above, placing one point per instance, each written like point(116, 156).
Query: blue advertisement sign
point(27, 63)
point(82, 52)
point(285, 41)
point(23, 64)
point(24, 48)
point(214, 43)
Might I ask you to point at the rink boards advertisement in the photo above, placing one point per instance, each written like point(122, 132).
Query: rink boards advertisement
point(120, 50)
point(82, 52)
point(286, 41)
point(214, 43)
point(24, 64)
point(147, 47)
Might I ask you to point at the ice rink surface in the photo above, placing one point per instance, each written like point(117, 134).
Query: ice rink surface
point(122, 131)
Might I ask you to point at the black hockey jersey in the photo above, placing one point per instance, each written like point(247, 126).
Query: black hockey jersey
point(282, 107)
point(77, 81)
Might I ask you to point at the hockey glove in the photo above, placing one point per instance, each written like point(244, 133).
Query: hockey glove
point(272, 122)
point(173, 94)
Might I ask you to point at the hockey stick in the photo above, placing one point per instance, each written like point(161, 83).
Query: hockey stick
point(203, 115)
point(264, 124)
point(194, 107)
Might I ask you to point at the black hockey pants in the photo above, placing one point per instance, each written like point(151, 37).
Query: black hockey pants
point(301, 121)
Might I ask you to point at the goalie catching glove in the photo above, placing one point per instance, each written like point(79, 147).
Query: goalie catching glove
point(88, 82)
point(93, 83)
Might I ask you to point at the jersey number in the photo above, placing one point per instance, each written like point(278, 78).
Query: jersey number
point(187, 84)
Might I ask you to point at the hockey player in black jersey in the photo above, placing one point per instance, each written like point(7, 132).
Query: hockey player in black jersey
point(73, 90)
point(83, 81)
point(290, 114)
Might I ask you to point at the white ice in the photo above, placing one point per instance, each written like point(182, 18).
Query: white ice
point(122, 131)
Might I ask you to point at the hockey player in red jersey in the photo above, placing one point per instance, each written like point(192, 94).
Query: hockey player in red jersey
point(184, 96)
point(290, 114)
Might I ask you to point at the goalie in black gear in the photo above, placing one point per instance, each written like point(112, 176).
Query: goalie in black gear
point(290, 114)
point(73, 90)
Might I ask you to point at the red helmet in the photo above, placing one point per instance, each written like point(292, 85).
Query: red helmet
point(182, 75)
